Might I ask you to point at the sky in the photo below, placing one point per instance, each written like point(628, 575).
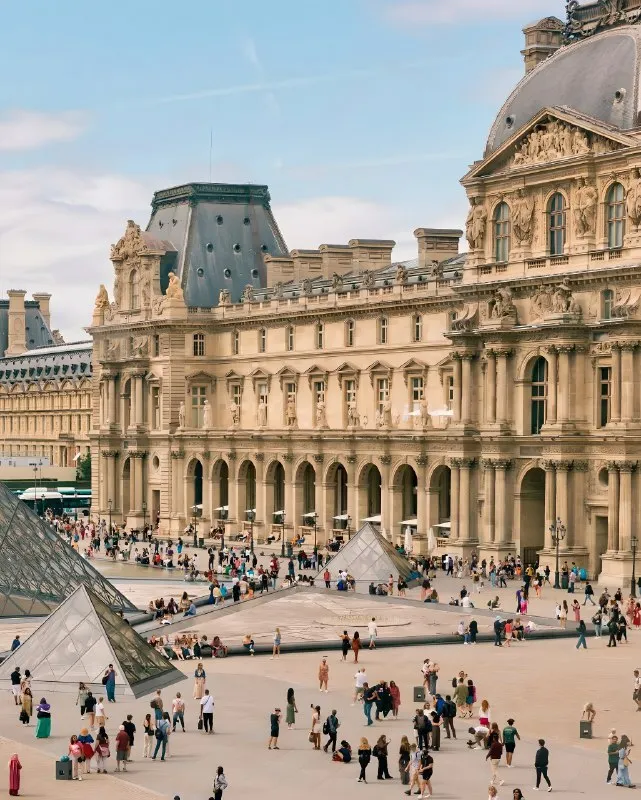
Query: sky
point(360, 115)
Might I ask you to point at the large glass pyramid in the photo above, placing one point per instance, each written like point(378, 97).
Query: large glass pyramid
point(77, 643)
point(368, 557)
point(38, 570)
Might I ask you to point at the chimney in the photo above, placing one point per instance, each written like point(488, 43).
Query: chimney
point(542, 39)
point(307, 264)
point(280, 269)
point(42, 299)
point(436, 244)
point(17, 342)
point(337, 258)
point(371, 253)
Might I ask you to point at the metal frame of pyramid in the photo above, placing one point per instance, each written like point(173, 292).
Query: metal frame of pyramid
point(367, 557)
point(79, 640)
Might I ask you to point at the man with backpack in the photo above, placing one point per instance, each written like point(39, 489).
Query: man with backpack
point(448, 714)
point(330, 729)
point(162, 736)
point(422, 726)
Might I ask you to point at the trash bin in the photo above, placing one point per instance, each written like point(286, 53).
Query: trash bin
point(201, 541)
point(63, 770)
point(419, 694)
point(564, 580)
point(585, 729)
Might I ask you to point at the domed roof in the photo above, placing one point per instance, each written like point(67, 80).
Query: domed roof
point(598, 77)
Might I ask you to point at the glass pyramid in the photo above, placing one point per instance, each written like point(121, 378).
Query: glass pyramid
point(79, 640)
point(38, 570)
point(368, 557)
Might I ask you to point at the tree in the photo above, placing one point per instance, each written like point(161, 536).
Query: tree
point(83, 467)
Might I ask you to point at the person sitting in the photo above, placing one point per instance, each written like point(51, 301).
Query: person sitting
point(191, 611)
point(248, 643)
point(494, 604)
point(219, 649)
point(344, 752)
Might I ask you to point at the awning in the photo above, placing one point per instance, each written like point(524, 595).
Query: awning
point(277, 512)
point(222, 508)
point(443, 412)
point(413, 523)
point(447, 525)
point(310, 514)
point(251, 511)
point(342, 517)
point(375, 519)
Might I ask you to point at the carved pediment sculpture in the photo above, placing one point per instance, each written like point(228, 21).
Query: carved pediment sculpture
point(633, 199)
point(401, 275)
point(174, 289)
point(502, 306)
point(523, 218)
point(467, 320)
point(130, 244)
point(224, 297)
point(476, 224)
point(552, 303)
point(102, 298)
point(584, 208)
point(552, 141)
point(337, 282)
point(626, 303)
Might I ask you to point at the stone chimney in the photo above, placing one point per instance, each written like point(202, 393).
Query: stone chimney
point(337, 258)
point(371, 253)
point(17, 342)
point(542, 39)
point(42, 299)
point(436, 244)
point(307, 264)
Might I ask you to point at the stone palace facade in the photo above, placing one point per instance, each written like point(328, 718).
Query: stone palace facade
point(489, 393)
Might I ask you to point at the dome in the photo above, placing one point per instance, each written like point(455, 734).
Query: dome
point(597, 77)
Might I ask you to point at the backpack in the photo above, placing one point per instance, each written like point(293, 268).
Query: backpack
point(153, 704)
point(375, 751)
point(325, 728)
point(160, 734)
point(104, 680)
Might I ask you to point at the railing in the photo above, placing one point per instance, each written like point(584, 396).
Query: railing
point(558, 261)
point(536, 263)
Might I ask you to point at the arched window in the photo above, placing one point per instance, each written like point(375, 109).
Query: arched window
point(556, 224)
point(134, 297)
point(615, 215)
point(502, 232)
point(539, 394)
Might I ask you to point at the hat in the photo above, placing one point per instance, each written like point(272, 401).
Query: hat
point(498, 619)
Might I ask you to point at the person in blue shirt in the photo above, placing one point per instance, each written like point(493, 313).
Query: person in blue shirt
point(110, 683)
point(15, 644)
point(191, 611)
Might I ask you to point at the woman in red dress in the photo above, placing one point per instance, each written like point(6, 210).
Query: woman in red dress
point(395, 692)
point(14, 775)
point(636, 618)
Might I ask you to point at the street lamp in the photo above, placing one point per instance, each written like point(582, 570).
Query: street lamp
point(109, 505)
point(635, 543)
point(282, 535)
point(349, 533)
point(194, 513)
point(250, 515)
point(558, 531)
point(144, 519)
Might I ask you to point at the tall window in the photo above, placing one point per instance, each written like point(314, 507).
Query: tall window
point(417, 328)
point(350, 395)
point(198, 397)
point(556, 224)
point(289, 338)
point(605, 395)
point(262, 340)
point(383, 328)
point(417, 389)
point(235, 342)
point(156, 346)
point(539, 394)
point(320, 335)
point(236, 394)
point(199, 344)
point(450, 391)
point(615, 214)
point(155, 407)
point(134, 297)
point(349, 333)
point(502, 232)
point(382, 393)
point(607, 302)
point(319, 396)
point(261, 392)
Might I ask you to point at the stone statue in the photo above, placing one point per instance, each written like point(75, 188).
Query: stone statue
point(562, 301)
point(385, 414)
point(436, 270)
point(207, 415)
point(337, 282)
point(401, 275)
point(633, 199)
point(369, 281)
point(321, 417)
point(425, 418)
point(146, 294)
point(174, 289)
point(290, 412)
point(234, 410)
point(130, 244)
point(102, 298)
point(248, 294)
point(503, 305)
point(139, 346)
point(278, 290)
point(475, 224)
point(224, 297)
point(117, 289)
point(306, 286)
point(181, 414)
point(262, 413)
point(523, 217)
point(541, 302)
point(585, 206)
point(353, 418)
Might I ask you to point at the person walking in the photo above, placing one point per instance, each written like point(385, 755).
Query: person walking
point(380, 752)
point(157, 706)
point(448, 714)
point(130, 727)
point(292, 710)
point(122, 747)
point(75, 754)
point(541, 763)
point(581, 630)
point(148, 735)
point(220, 783)
point(323, 675)
point(102, 751)
point(315, 731)
point(27, 707)
point(199, 682)
point(404, 760)
point(43, 716)
point(636, 691)
point(563, 614)
point(422, 728)
point(274, 729)
point(623, 776)
point(498, 632)
point(412, 769)
point(162, 736)
point(276, 646)
point(87, 742)
point(372, 630)
point(510, 735)
point(178, 712)
point(612, 631)
point(207, 712)
point(101, 716)
point(597, 621)
point(425, 775)
point(16, 679)
point(110, 683)
point(330, 729)
point(364, 757)
point(356, 645)
point(369, 698)
point(395, 694)
point(494, 754)
point(589, 594)
point(90, 710)
point(14, 775)
point(346, 644)
point(613, 758)
point(82, 697)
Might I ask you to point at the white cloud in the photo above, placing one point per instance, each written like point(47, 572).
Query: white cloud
point(423, 12)
point(27, 130)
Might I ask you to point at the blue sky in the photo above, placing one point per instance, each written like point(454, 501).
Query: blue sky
point(361, 115)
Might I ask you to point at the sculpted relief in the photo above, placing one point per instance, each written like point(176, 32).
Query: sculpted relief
point(552, 301)
point(584, 208)
point(476, 224)
point(555, 140)
point(523, 217)
point(633, 199)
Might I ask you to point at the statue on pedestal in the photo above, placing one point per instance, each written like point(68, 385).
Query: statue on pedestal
point(207, 416)
point(181, 414)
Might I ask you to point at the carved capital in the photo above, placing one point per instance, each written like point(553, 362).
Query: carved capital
point(548, 465)
point(386, 460)
point(289, 457)
point(627, 466)
point(319, 458)
point(422, 460)
point(612, 466)
point(110, 453)
point(137, 453)
point(563, 466)
point(503, 464)
point(487, 464)
point(580, 466)
point(259, 456)
point(177, 454)
point(628, 346)
point(564, 349)
point(551, 350)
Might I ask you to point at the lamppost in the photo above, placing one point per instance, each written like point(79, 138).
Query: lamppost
point(194, 513)
point(282, 535)
point(109, 505)
point(250, 515)
point(144, 519)
point(558, 531)
point(635, 543)
point(349, 532)
point(315, 518)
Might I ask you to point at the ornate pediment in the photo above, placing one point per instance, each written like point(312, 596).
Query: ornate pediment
point(586, 19)
point(129, 245)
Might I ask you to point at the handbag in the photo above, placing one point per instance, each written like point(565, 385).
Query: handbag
point(311, 736)
point(200, 724)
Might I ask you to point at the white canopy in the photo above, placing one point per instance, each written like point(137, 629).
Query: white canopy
point(222, 508)
point(376, 519)
point(253, 511)
point(413, 523)
point(310, 514)
point(342, 517)
point(276, 512)
point(447, 525)
point(407, 545)
point(442, 412)
point(431, 542)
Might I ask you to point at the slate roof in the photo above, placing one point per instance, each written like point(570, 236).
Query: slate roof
point(60, 362)
point(38, 333)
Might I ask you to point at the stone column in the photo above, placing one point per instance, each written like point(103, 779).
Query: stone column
point(489, 506)
point(454, 498)
point(613, 506)
point(465, 467)
point(562, 491)
point(552, 385)
point(627, 382)
point(615, 415)
point(466, 390)
point(422, 511)
point(490, 409)
point(261, 493)
point(550, 501)
point(387, 503)
point(319, 505)
point(500, 511)
point(138, 402)
point(502, 387)
point(564, 385)
point(111, 400)
point(352, 493)
point(625, 505)
point(178, 494)
point(139, 459)
point(291, 522)
point(458, 382)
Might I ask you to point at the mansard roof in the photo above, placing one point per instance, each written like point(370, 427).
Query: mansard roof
point(60, 362)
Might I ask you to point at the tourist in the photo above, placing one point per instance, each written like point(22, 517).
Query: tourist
point(576, 609)
point(220, 783)
point(541, 762)
point(323, 675)
point(75, 754)
point(470, 699)
point(82, 697)
point(498, 632)
point(86, 740)
point(623, 777)
point(395, 694)
point(613, 758)
point(622, 629)
point(178, 712)
point(199, 681)
point(484, 714)
point(102, 751)
point(597, 621)
point(14, 775)
point(90, 709)
point(380, 752)
point(588, 594)
point(292, 710)
point(276, 647)
point(369, 698)
point(101, 716)
point(356, 645)
point(422, 727)
point(162, 736)
point(448, 715)
point(510, 735)
point(315, 729)
point(563, 614)
point(613, 628)
point(360, 679)
point(43, 715)
point(330, 729)
point(27, 707)
point(345, 645)
point(148, 735)
point(207, 712)
point(157, 705)
point(404, 760)
point(110, 683)
point(364, 757)
point(344, 752)
point(122, 747)
point(274, 730)
point(581, 630)
point(16, 679)
point(517, 794)
point(492, 793)
point(494, 754)
point(479, 734)
point(425, 775)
